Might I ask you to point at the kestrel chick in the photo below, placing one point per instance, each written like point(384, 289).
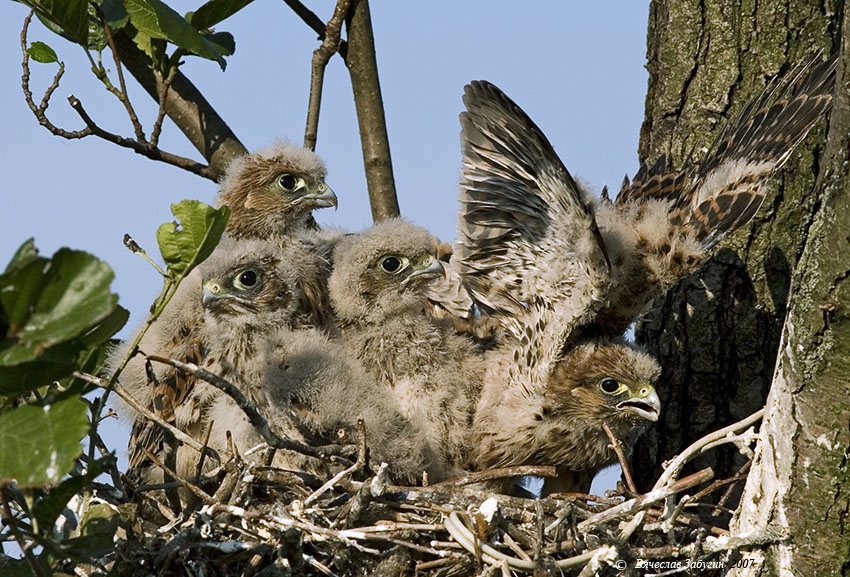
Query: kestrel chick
point(379, 289)
point(305, 385)
point(273, 191)
point(664, 223)
point(561, 425)
point(532, 257)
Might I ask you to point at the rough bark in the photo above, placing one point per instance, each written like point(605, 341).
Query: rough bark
point(717, 334)
point(799, 487)
point(363, 69)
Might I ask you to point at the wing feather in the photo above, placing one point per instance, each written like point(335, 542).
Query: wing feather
point(529, 251)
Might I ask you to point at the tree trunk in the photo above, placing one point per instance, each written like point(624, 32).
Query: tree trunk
point(717, 334)
point(798, 492)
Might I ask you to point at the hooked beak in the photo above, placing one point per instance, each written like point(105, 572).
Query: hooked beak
point(323, 197)
point(646, 404)
point(212, 294)
point(433, 270)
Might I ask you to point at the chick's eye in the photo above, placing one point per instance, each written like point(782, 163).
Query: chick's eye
point(391, 264)
point(246, 279)
point(610, 386)
point(288, 182)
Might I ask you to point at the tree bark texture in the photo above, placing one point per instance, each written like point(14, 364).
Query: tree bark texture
point(798, 491)
point(363, 69)
point(718, 332)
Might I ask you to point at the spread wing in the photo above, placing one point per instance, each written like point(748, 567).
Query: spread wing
point(529, 251)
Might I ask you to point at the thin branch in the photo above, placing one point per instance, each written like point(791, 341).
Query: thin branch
point(321, 57)
point(618, 449)
point(40, 110)
point(163, 88)
point(122, 94)
point(145, 149)
point(492, 474)
point(361, 462)
point(10, 520)
point(127, 398)
point(643, 502)
point(203, 495)
point(310, 19)
point(363, 71)
point(258, 421)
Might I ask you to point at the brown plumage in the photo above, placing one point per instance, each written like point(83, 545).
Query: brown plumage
point(271, 194)
point(378, 288)
point(273, 191)
point(561, 424)
point(664, 223)
point(531, 256)
point(305, 385)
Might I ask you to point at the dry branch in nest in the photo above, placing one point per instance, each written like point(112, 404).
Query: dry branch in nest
point(254, 519)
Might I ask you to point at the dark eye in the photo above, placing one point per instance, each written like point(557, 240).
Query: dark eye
point(288, 182)
point(390, 264)
point(245, 279)
point(610, 386)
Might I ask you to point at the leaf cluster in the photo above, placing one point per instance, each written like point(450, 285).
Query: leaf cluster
point(58, 316)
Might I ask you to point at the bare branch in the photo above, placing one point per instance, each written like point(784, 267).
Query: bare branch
point(40, 110)
point(122, 94)
point(492, 474)
point(321, 57)
point(145, 149)
point(618, 448)
point(258, 421)
point(309, 17)
point(203, 495)
point(363, 70)
point(643, 502)
point(186, 106)
point(128, 398)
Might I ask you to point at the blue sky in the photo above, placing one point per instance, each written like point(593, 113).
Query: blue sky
point(577, 68)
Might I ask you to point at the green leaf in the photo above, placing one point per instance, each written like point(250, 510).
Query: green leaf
point(70, 16)
point(38, 445)
point(48, 509)
point(158, 20)
point(41, 52)
point(25, 254)
point(18, 377)
point(19, 291)
point(106, 328)
point(224, 42)
point(98, 527)
point(188, 244)
point(76, 296)
point(114, 13)
point(212, 12)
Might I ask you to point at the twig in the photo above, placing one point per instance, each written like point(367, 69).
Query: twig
point(741, 474)
point(310, 19)
point(643, 502)
point(145, 149)
point(671, 471)
point(121, 94)
point(491, 474)
point(618, 449)
point(186, 483)
point(361, 462)
point(163, 88)
point(321, 57)
point(493, 557)
point(127, 398)
point(9, 519)
point(258, 421)
point(40, 110)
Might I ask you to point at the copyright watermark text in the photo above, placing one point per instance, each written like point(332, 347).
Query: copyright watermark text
point(663, 565)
